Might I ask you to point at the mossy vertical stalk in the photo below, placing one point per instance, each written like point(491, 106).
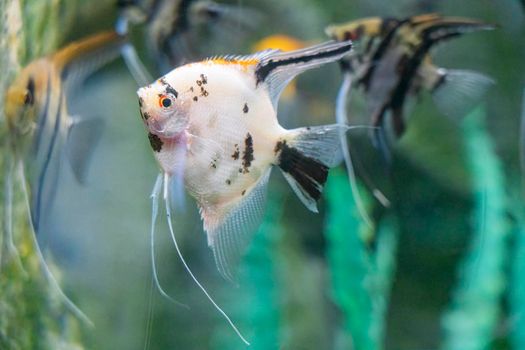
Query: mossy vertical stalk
point(470, 322)
point(361, 276)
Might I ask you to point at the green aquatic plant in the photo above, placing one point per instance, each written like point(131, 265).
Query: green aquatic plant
point(361, 276)
point(517, 287)
point(471, 319)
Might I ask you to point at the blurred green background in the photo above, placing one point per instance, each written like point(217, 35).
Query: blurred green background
point(442, 269)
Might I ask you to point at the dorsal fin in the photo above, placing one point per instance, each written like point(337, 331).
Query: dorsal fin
point(243, 60)
point(81, 58)
point(276, 68)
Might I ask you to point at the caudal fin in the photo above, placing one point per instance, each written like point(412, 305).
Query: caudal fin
point(305, 157)
point(460, 91)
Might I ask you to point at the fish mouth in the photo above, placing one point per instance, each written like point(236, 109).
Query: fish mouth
point(162, 127)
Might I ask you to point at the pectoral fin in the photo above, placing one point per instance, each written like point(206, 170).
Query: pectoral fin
point(83, 136)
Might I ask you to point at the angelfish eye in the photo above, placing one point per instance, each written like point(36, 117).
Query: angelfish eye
point(165, 101)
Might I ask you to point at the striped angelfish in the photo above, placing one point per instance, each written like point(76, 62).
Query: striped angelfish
point(43, 135)
point(392, 65)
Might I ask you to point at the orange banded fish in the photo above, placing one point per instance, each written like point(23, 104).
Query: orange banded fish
point(43, 134)
point(213, 124)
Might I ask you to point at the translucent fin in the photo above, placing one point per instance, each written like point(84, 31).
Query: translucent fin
point(82, 138)
point(342, 119)
point(75, 310)
point(460, 91)
point(379, 140)
point(154, 211)
point(177, 195)
point(170, 226)
point(80, 59)
point(278, 68)
point(230, 229)
point(305, 157)
point(320, 142)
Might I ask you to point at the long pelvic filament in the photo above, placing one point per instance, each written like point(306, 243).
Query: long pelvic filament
point(168, 216)
point(154, 212)
point(340, 112)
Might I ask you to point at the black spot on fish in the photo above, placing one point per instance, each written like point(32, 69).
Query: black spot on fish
point(29, 98)
point(204, 92)
point(214, 162)
point(236, 152)
point(245, 109)
point(141, 102)
point(195, 98)
point(247, 156)
point(204, 79)
point(155, 142)
point(199, 83)
point(243, 192)
point(308, 172)
point(169, 88)
point(279, 146)
point(191, 88)
point(145, 115)
point(228, 182)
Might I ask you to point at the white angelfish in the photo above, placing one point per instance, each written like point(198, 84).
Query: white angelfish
point(214, 125)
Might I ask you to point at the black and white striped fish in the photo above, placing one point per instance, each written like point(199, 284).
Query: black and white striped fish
point(392, 63)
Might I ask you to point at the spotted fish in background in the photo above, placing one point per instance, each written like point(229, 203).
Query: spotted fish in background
point(392, 64)
point(214, 124)
point(168, 23)
point(42, 133)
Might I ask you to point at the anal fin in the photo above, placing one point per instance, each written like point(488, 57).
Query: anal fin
point(230, 229)
point(83, 136)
